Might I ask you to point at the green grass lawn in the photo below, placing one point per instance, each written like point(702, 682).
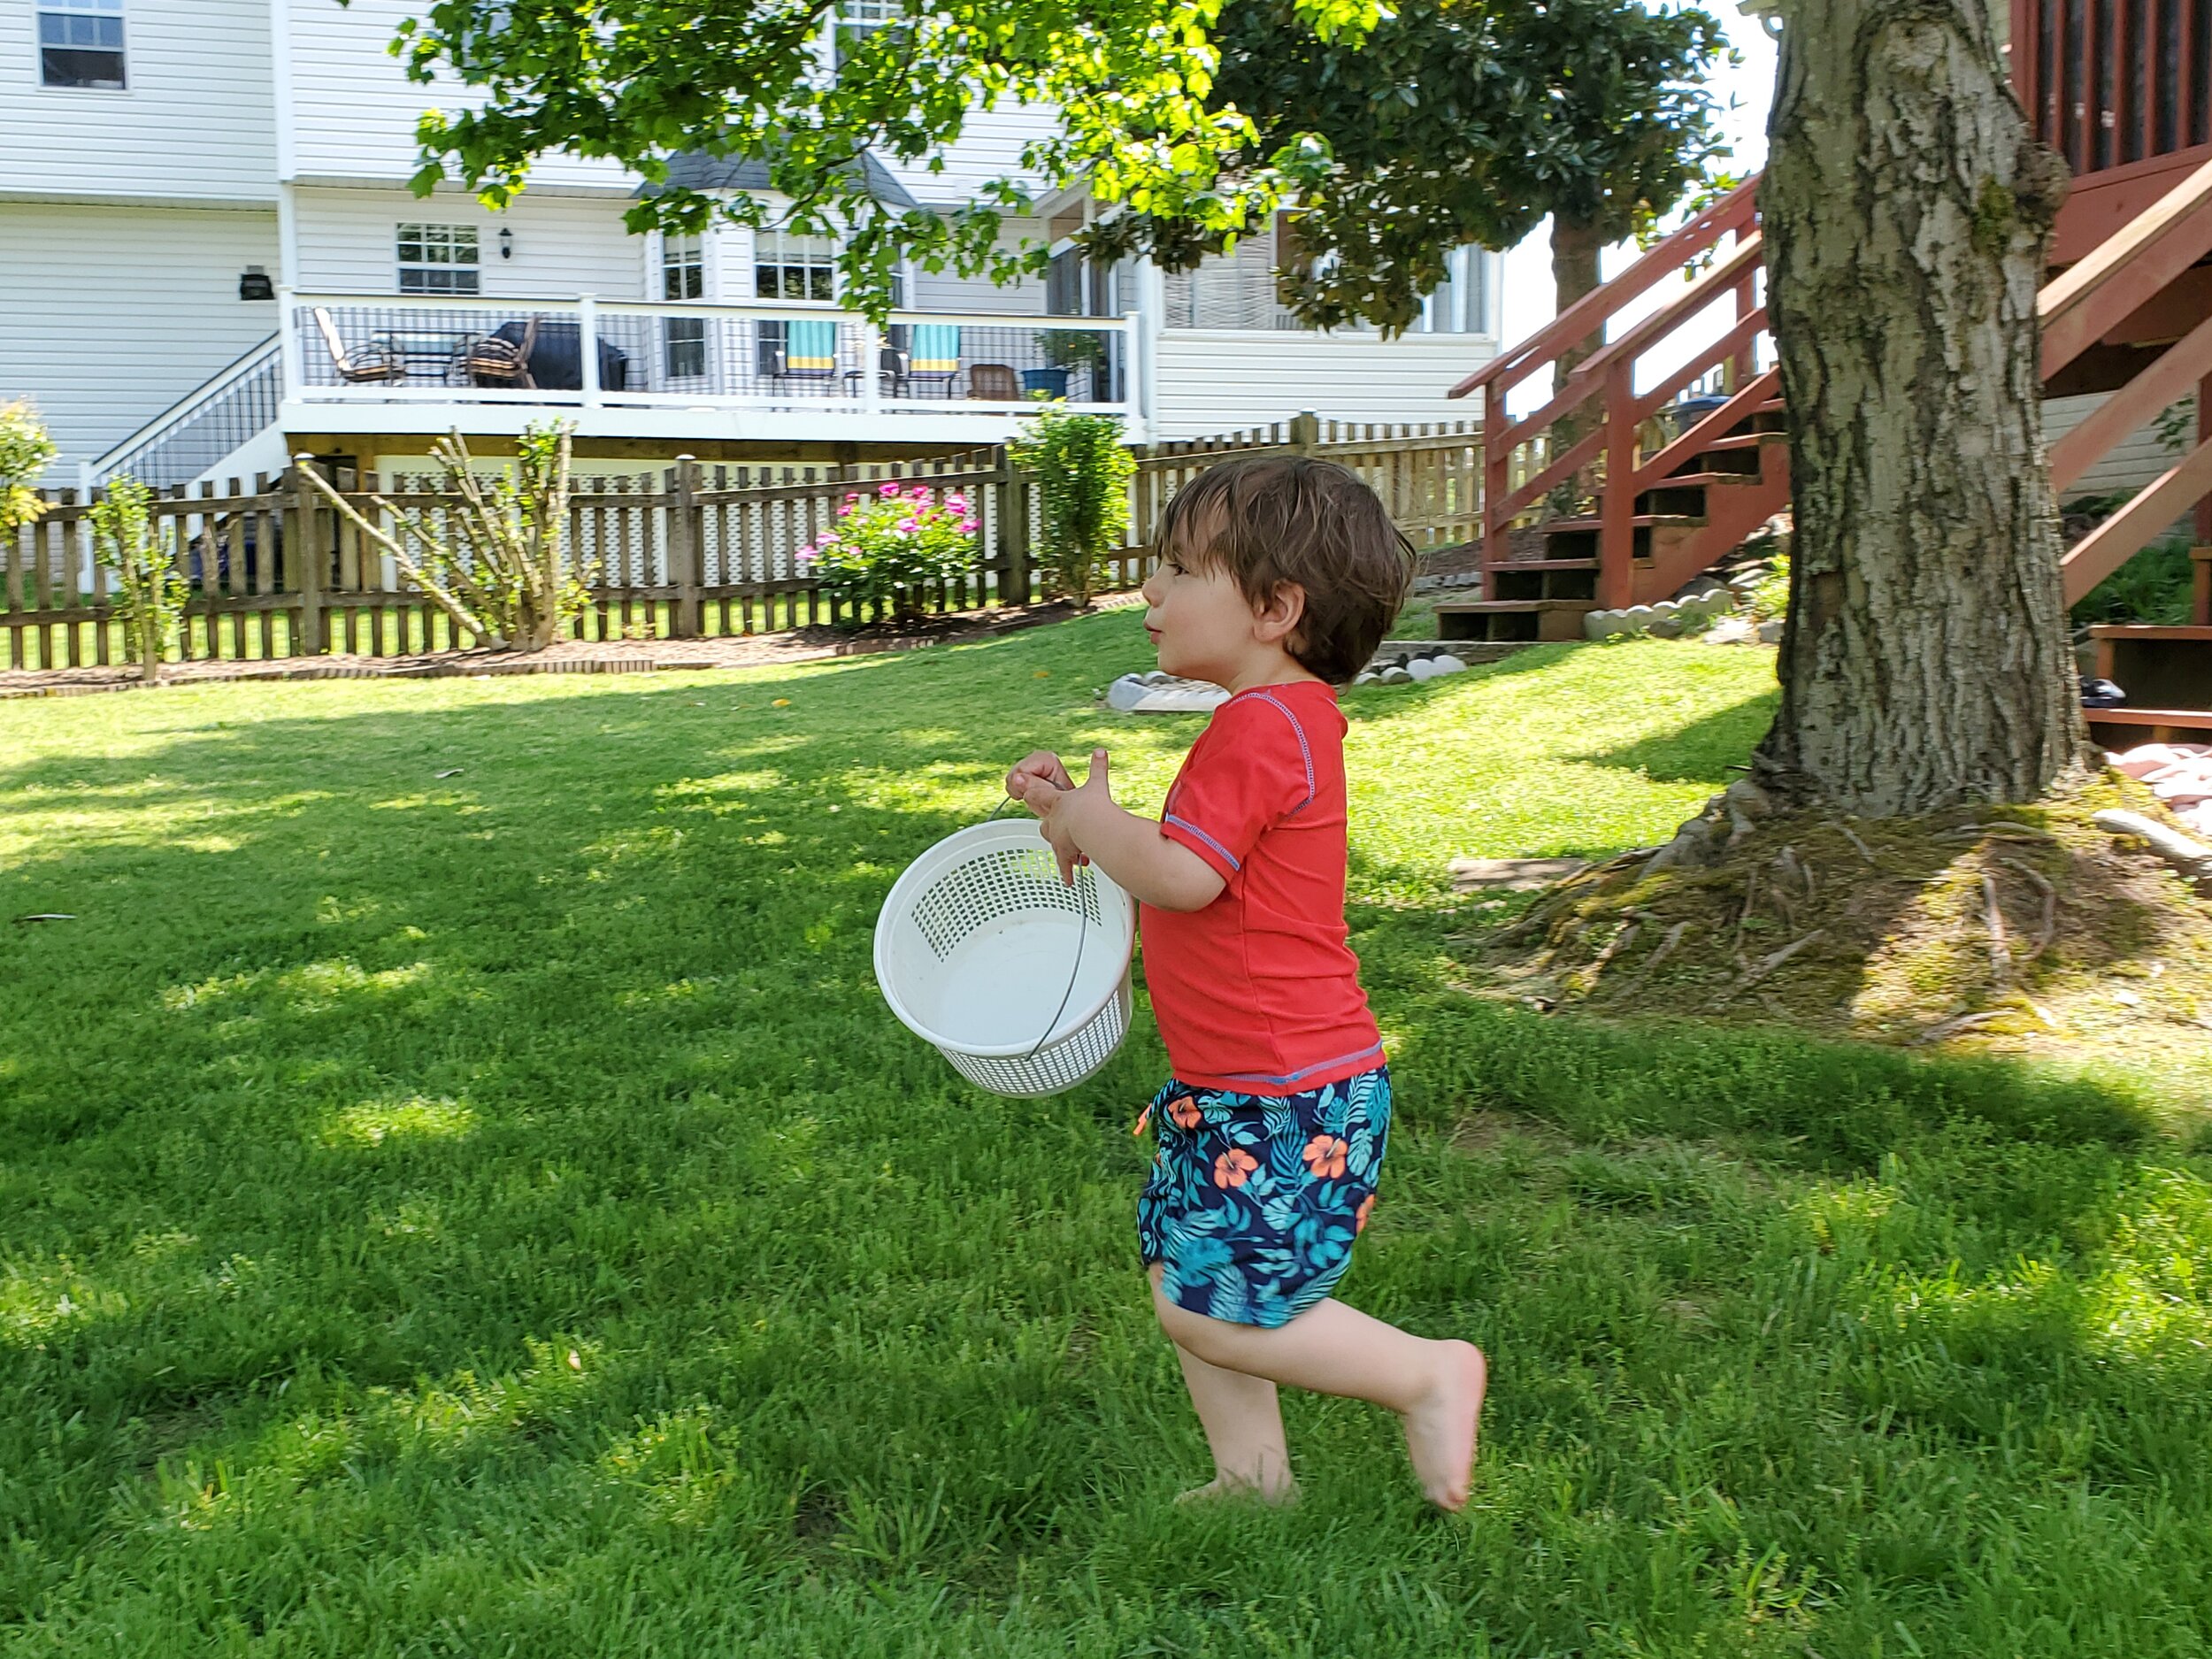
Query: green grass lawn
point(494, 1214)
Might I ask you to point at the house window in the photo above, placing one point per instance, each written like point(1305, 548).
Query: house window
point(856, 18)
point(683, 277)
point(1460, 304)
point(787, 267)
point(81, 44)
point(437, 259)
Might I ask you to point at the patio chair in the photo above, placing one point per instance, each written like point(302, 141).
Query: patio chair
point(498, 359)
point(810, 352)
point(377, 361)
point(993, 383)
point(936, 355)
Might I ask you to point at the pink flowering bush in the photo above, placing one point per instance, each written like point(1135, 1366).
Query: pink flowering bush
point(889, 546)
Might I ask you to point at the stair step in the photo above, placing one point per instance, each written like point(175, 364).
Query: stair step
point(1523, 619)
point(1699, 481)
point(2126, 726)
point(1742, 440)
point(1641, 521)
point(1485, 607)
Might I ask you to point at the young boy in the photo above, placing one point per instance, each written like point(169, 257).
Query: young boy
point(1278, 578)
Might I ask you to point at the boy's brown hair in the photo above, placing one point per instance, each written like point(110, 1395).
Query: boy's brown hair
point(1273, 519)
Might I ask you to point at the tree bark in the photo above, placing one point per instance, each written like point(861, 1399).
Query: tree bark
point(1575, 247)
point(1926, 661)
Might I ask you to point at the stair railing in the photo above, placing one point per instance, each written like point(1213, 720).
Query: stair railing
point(1608, 378)
point(2087, 301)
point(201, 427)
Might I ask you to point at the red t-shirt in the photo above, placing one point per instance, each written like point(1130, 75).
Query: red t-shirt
point(1259, 991)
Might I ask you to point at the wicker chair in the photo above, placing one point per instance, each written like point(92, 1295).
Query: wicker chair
point(377, 362)
point(993, 383)
point(489, 360)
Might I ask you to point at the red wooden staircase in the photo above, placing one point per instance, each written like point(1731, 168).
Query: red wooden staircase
point(1677, 485)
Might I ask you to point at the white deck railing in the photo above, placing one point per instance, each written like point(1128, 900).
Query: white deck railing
point(596, 353)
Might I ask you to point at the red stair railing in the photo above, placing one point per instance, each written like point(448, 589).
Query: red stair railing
point(2093, 298)
point(1607, 378)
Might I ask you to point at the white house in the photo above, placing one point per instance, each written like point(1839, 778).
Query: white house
point(208, 258)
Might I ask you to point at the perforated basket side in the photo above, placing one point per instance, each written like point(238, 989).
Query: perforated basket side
point(1059, 1067)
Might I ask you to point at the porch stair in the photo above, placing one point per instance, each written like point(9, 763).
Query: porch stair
point(214, 430)
point(1680, 485)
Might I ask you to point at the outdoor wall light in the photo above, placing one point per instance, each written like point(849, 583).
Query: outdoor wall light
point(254, 284)
point(506, 242)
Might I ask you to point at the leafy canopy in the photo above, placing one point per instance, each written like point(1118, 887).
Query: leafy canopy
point(641, 80)
point(1452, 121)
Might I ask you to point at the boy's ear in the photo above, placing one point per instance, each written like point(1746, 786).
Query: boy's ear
point(1275, 618)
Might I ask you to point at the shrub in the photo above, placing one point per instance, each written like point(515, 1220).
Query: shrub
point(497, 563)
point(1083, 471)
point(149, 590)
point(888, 546)
point(1771, 597)
point(25, 452)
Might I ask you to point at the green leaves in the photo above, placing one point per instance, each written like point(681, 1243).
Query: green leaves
point(1393, 135)
point(1083, 470)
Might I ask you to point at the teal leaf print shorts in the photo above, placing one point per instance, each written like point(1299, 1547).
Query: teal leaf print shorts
point(1254, 1200)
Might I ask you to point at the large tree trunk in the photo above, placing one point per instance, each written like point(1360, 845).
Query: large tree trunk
point(1926, 661)
point(1575, 246)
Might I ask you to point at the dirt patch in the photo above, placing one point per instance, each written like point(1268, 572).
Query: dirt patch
point(572, 656)
point(2025, 929)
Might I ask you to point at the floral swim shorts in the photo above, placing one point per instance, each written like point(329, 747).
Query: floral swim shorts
point(1254, 1200)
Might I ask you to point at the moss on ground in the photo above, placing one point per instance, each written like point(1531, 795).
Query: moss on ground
point(2024, 930)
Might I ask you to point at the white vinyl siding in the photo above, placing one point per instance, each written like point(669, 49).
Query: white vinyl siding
point(1227, 380)
point(2135, 461)
point(103, 343)
point(354, 110)
point(990, 146)
point(196, 121)
point(942, 291)
point(564, 245)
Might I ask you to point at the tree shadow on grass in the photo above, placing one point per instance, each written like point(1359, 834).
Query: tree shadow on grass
point(358, 1100)
point(1706, 750)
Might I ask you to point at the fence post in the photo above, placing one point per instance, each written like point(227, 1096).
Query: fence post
point(304, 553)
point(1013, 531)
point(1305, 433)
point(687, 549)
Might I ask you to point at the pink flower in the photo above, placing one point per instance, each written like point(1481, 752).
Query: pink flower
point(888, 490)
point(807, 556)
point(849, 500)
point(956, 502)
point(907, 527)
point(967, 526)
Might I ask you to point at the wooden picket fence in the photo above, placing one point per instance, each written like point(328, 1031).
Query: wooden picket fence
point(690, 551)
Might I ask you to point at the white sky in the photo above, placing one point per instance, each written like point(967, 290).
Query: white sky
point(1748, 88)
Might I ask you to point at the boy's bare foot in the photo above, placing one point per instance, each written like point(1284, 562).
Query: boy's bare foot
point(1221, 1489)
point(1440, 1430)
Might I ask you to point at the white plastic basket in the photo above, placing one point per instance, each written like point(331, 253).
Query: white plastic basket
point(1020, 980)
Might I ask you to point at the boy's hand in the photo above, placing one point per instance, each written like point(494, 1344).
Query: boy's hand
point(1059, 805)
point(1041, 763)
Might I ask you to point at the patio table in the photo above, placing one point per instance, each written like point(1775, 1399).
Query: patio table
point(425, 350)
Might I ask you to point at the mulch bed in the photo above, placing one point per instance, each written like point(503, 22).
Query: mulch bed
point(571, 657)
